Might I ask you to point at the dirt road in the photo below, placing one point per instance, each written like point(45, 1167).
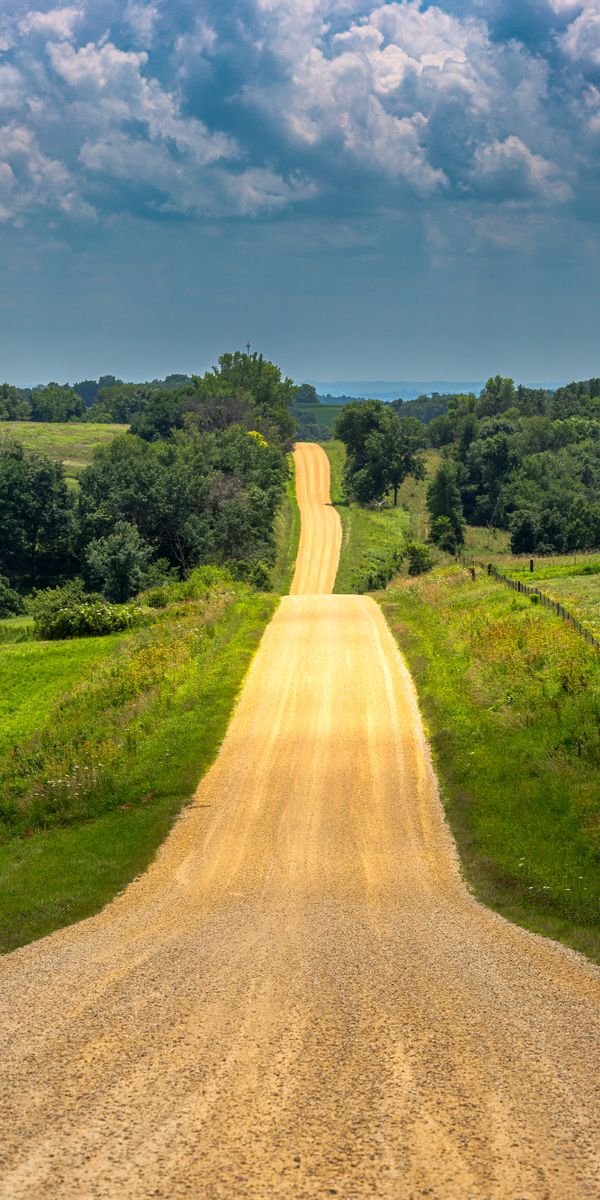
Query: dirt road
point(300, 999)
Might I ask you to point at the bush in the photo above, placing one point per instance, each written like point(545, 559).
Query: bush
point(257, 574)
point(378, 571)
point(118, 563)
point(70, 612)
point(11, 604)
point(444, 535)
point(420, 558)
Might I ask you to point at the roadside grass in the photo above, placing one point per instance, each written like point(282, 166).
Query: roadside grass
point(511, 700)
point(413, 496)
point(104, 765)
point(287, 537)
point(72, 443)
point(580, 595)
point(369, 536)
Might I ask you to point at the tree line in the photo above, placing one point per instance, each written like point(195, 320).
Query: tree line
point(522, 459)
point(197, 479)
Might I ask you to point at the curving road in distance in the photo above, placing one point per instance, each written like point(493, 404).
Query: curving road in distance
point(300, 998)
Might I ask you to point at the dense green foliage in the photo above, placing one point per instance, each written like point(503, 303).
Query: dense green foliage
point(528, 461)
point(512, 700)
point(199, 479)
point(382, 449)
point(445, 509)
point(36, 518)
point(71, 612)
point(49, 403)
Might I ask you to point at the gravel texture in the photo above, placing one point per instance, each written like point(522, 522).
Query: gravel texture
point(300, 998)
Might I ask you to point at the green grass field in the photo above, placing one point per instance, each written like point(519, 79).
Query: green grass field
point(71, 443)
point(34, 674)
point(324, 414)
point(511, 698)
point(109, 751)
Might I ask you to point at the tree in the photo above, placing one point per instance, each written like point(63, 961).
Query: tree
point(363, 479)
point(381, 449)
point(420, 559)
point(10, 600)
point(117, 563)
point(496, 397)
point(13, 404)
point(305, 393)
point(55, 403)
point(36, 510)
point(396, 446)
point(445, 508)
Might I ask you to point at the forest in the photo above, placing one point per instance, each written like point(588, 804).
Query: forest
point(197, 479)
point(525, 460)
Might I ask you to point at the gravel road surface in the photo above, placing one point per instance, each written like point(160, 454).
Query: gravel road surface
point(300, 999)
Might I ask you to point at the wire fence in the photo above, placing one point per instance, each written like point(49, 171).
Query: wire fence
point(540, 598)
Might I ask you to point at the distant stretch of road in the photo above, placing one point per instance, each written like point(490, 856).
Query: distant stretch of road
point(300, 998)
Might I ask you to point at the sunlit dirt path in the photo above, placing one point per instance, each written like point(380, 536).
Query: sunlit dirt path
point(300, 998)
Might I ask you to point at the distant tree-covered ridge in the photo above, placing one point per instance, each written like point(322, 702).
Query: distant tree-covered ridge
point(198, 479)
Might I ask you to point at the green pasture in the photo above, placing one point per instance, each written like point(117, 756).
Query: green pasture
point(72, 443)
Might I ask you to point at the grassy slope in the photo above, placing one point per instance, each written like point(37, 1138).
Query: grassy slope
point(117, 760)
point(324, 414)
point(71, 443)
point(367, 533)
point(34, 674)
point(511, 697)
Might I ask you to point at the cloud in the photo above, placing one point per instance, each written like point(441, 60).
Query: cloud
point(510, 170)
point(581, 41)
point(360, 108)
point(142, 19)
point(30, 178)
point(58, 22)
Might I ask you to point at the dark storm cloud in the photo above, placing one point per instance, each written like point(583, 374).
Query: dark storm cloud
point(260, 106)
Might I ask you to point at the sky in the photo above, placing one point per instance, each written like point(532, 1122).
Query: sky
point(361, 190)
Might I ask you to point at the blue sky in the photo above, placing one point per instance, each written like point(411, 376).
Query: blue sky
point(389, 190)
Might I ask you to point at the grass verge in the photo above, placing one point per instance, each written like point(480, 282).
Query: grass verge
point(287, 537)
point(369, 536)
point(90, 795)
point(511, 699)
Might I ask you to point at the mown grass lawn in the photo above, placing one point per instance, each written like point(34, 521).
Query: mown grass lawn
point(511, 699)
point(71, 442)
point(34, 674)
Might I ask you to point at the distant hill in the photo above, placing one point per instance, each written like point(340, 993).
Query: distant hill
point(342, 390)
